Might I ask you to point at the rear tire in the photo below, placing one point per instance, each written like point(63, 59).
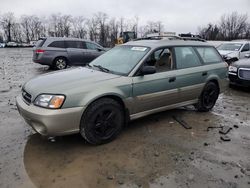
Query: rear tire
point(102, 121)
point(208, 97)
point(60, 63)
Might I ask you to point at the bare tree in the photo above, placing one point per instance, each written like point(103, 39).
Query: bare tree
point(93, 29)
point(247, 31)
point(65, 25)
point(136, 25)
point(60, 25)
point(16, 32)
point(7, 22)
point(101, 19)
point(114, 31)
point(160, 26)
point(151, 27)
point(25, 22)
point(79, 27)
point(232, 26)
point(210, 32)
point(1, 36)
point(121, 23)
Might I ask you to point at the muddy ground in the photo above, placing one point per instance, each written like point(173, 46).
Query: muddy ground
point(155, 151)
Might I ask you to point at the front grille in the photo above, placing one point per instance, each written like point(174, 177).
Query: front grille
point(244, 73)
point(26, 96)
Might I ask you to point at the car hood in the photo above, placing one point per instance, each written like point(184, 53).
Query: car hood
point(243, 63)
point(61, 82)
point(229, 53)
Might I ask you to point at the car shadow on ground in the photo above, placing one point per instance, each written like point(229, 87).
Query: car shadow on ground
point(142, 149)
point(240, 88)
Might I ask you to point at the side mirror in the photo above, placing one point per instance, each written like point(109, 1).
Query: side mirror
point(247, 55)
point(100, 49)
point(148, 70)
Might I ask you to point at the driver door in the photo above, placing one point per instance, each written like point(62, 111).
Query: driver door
point(159, 89)
point(92, 51)
point(245, 51)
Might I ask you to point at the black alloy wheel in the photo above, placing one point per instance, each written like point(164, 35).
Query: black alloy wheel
point(208, 97)
point(102, 121)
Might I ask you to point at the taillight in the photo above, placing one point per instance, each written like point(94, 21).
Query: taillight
point(39, 51)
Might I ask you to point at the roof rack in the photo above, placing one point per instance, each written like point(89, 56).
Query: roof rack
point(171, 38)
point(159, 37)
point(194, 39)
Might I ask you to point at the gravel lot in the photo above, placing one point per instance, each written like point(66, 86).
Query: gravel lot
point(155, 151)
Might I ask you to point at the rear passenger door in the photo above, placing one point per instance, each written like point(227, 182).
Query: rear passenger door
point(92, 51)
point(76, 50)
point(190, 74)
point(55, 49)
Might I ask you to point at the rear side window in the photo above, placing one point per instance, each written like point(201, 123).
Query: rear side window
point(75, 44)
point(40, 43)
point(209, 55)
point(186, 58)
point(57, 44)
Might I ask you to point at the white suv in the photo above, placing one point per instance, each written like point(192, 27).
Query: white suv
point(235, 49)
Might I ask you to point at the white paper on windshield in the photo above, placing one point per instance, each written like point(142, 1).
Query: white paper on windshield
point(141, 49)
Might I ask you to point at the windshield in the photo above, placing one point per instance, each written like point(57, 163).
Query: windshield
point(230, 46)
point(121, 59)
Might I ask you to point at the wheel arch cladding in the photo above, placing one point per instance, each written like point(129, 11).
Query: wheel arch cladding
point(116, 98)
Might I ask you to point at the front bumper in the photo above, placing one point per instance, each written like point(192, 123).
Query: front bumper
point(235, 80)
point(50, 122)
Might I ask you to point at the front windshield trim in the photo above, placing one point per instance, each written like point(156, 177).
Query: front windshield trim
point(148, 49)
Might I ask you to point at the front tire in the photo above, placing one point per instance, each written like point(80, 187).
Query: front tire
point(208, 97)
point(102, 121)
point(60, 63)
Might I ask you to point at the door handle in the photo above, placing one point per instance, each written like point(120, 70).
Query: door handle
point(172, 79)
point(204, 73)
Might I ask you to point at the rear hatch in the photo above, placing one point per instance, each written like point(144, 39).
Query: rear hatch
point(38, 49)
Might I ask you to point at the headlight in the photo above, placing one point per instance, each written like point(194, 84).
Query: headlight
point(49, 101)
point(232, 69)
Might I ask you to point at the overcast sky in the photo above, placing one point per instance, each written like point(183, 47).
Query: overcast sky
point(176, 15)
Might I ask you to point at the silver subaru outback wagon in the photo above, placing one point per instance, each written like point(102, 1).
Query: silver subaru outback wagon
point(58, 52)
point(127, 82)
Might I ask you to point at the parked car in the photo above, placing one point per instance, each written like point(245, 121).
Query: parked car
point(232, 51)
point(60, 52)
point(239, 72)
point(12, 44)
point(127, 82)
point(2, 45)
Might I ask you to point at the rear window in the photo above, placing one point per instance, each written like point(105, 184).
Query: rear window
point(40, 43)
point(75, 44)
point(209, 54)
point(57, 44)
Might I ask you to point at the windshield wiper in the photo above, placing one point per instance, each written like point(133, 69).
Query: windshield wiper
point(101, 68)
point(88, 65)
